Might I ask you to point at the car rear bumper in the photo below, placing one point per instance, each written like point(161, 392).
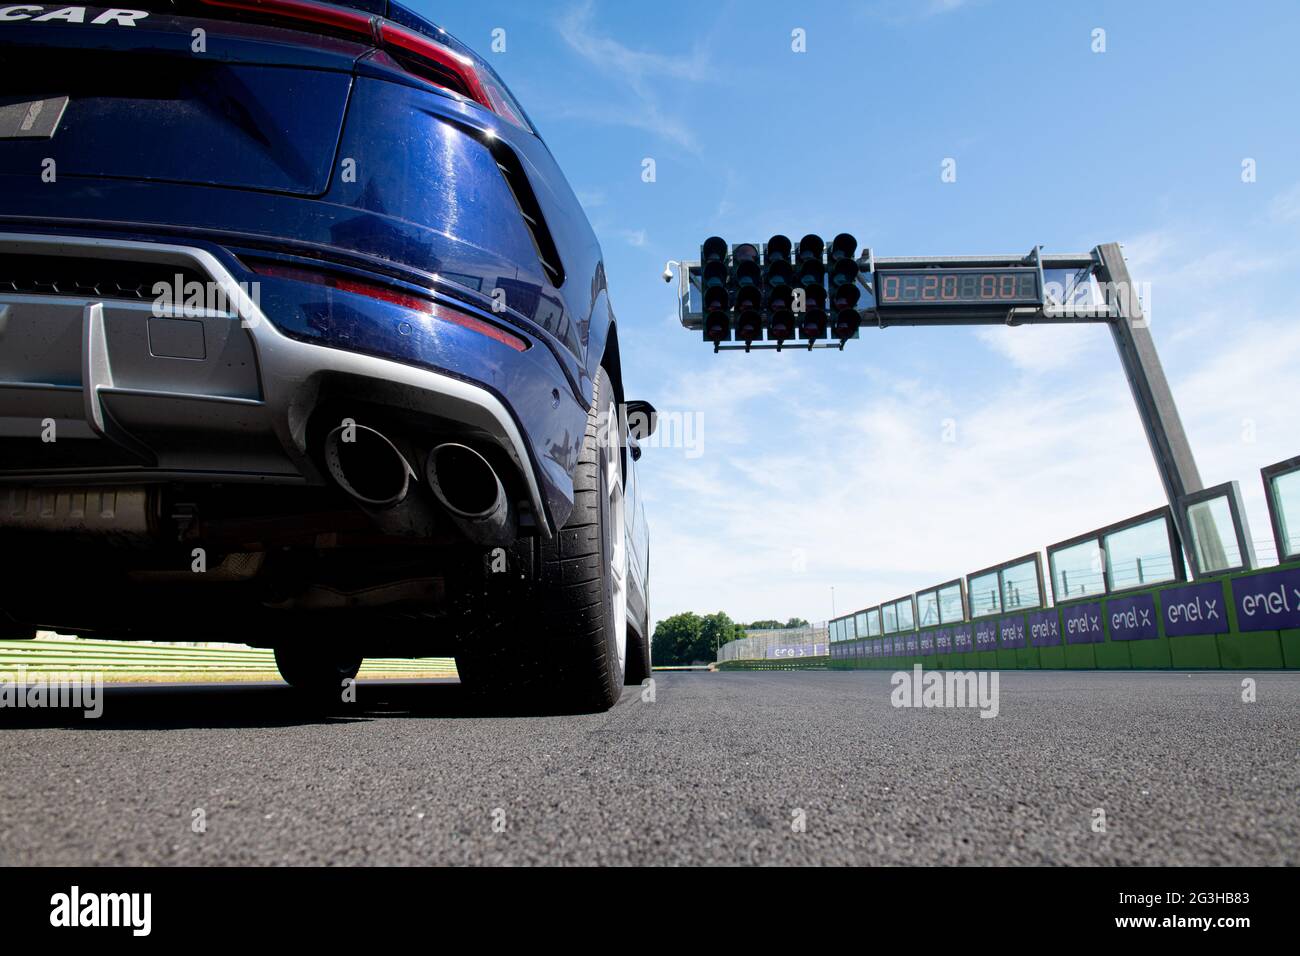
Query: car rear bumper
point(102, 389)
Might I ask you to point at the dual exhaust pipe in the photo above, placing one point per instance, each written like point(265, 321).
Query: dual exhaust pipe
point(372, 470)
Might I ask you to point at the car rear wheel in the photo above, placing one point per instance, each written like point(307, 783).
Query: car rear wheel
point(561, 642)
point(638, 655)
point(317, 670)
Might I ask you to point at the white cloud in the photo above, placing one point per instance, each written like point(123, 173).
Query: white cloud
point(645, 116)
point(642, 72)
point(903, 11)
point(592, 198)
point(1189, 263)
point(1040, 349)
point(577, 29)
point(1285, 206)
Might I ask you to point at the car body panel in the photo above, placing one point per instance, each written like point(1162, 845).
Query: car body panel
point(386, 176)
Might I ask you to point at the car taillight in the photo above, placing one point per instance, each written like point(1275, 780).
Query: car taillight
point(429, 54)
point(395, 296)
point(418, 55)
point(350, 21)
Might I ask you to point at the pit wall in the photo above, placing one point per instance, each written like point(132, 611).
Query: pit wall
point(1240, 621)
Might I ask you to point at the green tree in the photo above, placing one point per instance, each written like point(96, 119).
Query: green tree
point(718, 629)
point(796, 622)
point(676, 638)
point(690, 638)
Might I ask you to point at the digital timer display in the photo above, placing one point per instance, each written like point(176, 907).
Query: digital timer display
point(958, 287)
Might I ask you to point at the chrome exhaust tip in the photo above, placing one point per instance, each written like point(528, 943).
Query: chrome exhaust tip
point(466, 484)
point(367, 466)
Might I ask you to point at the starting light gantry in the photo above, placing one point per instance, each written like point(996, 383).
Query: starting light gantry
point(820, 296)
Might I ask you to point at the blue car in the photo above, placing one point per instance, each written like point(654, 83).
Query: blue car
point(305, 343)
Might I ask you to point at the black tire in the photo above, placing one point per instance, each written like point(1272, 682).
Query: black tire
point(551, 644)
point(317, 670)
point(638, 655)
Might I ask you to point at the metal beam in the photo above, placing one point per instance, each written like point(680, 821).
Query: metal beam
point(1151, 392)
point(688, 279)
point(1050, 260)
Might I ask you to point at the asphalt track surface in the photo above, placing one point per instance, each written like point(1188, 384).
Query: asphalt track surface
point(713, 771)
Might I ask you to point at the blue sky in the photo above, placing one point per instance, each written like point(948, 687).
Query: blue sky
point(831, 469)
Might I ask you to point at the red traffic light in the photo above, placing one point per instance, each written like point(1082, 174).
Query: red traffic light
point(847, 323)
point(749, 326)
point(812, 324)
point(748, 297)
point(780, 326)
point(717, 326)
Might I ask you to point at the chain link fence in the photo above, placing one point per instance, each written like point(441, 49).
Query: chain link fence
point(785, 643)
